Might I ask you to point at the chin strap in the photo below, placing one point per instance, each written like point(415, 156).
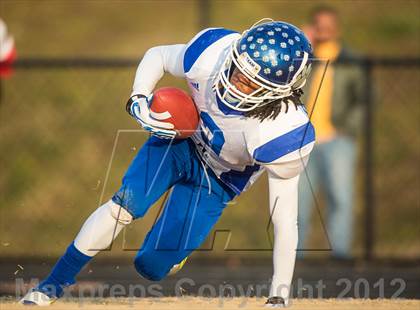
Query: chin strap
point(231, 100)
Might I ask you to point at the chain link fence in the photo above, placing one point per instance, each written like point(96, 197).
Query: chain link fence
point(59, 121)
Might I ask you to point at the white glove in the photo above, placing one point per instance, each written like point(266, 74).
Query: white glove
point(138, 106)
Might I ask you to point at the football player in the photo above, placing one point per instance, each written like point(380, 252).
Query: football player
point(247, 90)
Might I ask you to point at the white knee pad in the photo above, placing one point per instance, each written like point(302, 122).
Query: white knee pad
point(101, 228)
point(120, 214)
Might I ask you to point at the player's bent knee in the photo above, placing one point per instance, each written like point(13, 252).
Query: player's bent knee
point(147, 267)
point(128, 200)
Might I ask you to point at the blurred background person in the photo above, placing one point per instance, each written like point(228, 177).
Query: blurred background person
point(7, 53)
point(337, 113)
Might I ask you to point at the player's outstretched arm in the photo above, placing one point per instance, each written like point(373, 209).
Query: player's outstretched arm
point(283, 189)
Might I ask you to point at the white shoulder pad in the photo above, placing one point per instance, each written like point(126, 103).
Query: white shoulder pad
point(204, 51)
point(288, 137)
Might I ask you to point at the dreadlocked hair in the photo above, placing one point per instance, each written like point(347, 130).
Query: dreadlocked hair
point(273, 109)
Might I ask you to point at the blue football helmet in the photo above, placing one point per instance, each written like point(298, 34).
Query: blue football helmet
point(274, 55)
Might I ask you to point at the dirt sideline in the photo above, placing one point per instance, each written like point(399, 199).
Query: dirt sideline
point(227, 303)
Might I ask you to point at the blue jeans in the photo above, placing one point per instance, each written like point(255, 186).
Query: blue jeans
point(331, 167)
point(194, 205)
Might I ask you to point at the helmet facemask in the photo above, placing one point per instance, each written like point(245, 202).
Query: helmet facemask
point(267, 91)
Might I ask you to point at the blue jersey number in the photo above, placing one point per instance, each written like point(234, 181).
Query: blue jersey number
point(211, 133)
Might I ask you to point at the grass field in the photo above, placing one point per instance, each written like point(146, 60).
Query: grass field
point(230, 303)
point(53, 173)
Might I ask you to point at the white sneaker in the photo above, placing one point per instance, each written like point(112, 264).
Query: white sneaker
point(36, 298)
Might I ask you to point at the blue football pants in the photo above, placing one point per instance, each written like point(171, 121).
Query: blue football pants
point(195, 203)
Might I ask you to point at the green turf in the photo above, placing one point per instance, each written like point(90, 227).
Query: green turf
point(58, 126)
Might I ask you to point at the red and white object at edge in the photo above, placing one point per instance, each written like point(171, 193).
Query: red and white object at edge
point(7, 51)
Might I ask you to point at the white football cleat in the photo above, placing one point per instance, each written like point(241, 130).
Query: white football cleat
point(37, 298)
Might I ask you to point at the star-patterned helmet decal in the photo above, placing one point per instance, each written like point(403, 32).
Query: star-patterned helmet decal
point(277, 48)
point(275, 55)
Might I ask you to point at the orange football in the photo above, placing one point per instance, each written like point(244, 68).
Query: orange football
point(179, 107)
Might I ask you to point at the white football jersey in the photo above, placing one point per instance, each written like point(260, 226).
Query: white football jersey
point(236, 147)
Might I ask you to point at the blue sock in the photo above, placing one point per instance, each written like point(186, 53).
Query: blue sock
point(64, 272)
